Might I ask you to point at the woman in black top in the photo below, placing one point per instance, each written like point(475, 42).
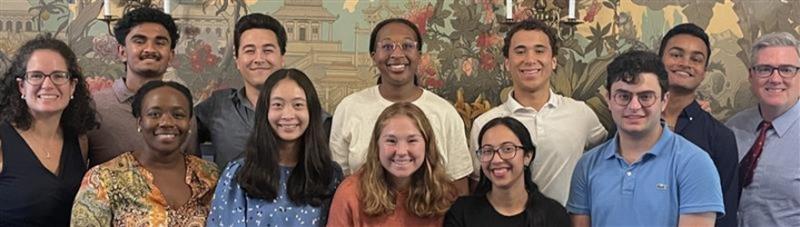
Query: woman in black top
point(45, 110)
point(506, 195)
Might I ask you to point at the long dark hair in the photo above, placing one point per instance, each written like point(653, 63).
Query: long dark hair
point(309, 181)
point(535, 213)
point(79, 115)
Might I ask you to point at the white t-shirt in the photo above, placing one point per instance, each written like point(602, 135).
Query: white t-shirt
point(562, 130)
point(356, 115)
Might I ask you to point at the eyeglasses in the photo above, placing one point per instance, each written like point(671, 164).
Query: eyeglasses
point(506, 151)
point(646, 99)
point(37, 78)
point(406, 46)
point(764, 71)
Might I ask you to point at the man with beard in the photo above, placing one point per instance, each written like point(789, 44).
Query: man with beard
point(685, 52)
point(147, 39)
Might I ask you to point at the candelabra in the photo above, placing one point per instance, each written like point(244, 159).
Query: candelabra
point(549, 15)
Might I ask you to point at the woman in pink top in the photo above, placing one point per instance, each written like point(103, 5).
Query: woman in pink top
point(403, 182)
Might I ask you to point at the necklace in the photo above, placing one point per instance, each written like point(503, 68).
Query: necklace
point(37, 144)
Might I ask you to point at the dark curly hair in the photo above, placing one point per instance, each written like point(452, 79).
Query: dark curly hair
point(629, 66)
point(79, 116)
point(531, 25)
point(136, 105)
point(146, 15)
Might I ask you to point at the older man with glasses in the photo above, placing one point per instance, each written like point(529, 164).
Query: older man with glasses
point(768, 135)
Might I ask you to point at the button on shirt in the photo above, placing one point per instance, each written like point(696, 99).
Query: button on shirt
point(773, 199)
point(699, 127)
point(674, 177)
point(561, 130)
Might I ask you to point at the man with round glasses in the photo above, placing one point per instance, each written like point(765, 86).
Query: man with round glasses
point(768, 135)
point(646, 175)
point(685, 52)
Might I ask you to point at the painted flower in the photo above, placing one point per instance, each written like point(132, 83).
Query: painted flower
point(201, 56)
point(420, 17)
point(428, 75)
point(592, 11)
point(468, 66)
point(487, 60)
point(98, 83)
point(105, 47)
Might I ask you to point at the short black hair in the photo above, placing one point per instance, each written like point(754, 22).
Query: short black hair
point(80, 114)
point(688, 29)
point(373, 37)
point(146, 15)
point(629, 66)
point(260, 21)
point(136, 105)
point(528, 25)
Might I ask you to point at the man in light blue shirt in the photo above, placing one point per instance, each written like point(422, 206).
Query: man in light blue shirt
point(770, 179)
point(646, 175)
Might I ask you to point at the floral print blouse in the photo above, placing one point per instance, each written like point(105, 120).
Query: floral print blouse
point(121, 192)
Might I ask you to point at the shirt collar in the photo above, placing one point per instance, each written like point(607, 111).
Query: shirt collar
point(240, 98)
point(512, 105)
point(692, 111)
point(121, 91)
point(655, 150)
point(782, 124)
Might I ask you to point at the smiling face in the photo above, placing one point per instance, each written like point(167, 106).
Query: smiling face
point(288, 110)
point(401, 147)
point(259, 56)
point(147, 51)
point(46, 98)
point(398, 64)
point(776, 93)
point(685, 58)
point(165, 119)
point(634, 119)
point(530, 61)
point(504, 174)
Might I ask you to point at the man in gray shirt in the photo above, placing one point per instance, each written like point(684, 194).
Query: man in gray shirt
point(226, 118)
point(768, 135)
point(147, 39)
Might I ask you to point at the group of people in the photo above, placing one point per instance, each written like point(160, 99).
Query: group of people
point(393, 154)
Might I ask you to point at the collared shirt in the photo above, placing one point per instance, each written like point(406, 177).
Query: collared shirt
point(773, 199)
point(674, 177)
point(121, 192)
point(226, 119)
point(117, 132)
point(561, 130)
point(699, 127)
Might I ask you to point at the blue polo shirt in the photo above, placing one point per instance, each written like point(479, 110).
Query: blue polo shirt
point(675, 177)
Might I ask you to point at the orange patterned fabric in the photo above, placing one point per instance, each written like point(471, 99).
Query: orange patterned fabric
point(121, 192)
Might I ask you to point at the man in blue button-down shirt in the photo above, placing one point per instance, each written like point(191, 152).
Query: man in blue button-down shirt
point(646, 175)
point(685, 51)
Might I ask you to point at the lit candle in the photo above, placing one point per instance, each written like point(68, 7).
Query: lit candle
point(106, 7)
point(509, 9)
point(571, 9)
point(167, 9)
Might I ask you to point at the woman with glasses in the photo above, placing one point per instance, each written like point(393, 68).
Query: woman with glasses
point(395, 48)
point(46, 110)
point(506, 195)
point(403, 182)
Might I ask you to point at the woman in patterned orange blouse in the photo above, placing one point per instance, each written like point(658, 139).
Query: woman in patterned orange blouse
point(156, 186)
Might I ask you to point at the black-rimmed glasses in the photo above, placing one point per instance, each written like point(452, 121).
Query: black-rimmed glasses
point(764, 71)
point(646, 99)
point(506, 151)
point(37, 78)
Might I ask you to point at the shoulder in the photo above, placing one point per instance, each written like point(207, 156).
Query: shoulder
point(576, 107)
point(469, 202)
point(203, 166)
point(217, 97)
point(350, 184)
point(495, 112)
point(364, 98)
point(741, 119)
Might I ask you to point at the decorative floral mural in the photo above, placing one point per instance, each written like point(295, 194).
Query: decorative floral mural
point(462, 59)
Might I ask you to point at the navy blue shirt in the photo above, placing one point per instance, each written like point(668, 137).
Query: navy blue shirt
point(699, 127)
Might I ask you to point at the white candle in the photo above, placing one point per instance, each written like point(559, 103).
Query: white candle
point(571, 9)
point(106, 7)
point(167, 8)
point(509, 9)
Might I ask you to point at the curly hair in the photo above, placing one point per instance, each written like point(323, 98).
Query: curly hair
point(79, 115)
point(146, 15)
point(431, 191)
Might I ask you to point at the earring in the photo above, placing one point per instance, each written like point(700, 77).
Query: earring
point(139, 129)
point(23, 96)
point(71, 97)
point(190, 131)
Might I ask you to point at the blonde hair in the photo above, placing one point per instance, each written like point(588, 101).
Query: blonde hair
point(431, 191)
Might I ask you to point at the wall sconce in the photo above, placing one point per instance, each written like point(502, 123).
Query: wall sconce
point(109, 11)
point(551, 16)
